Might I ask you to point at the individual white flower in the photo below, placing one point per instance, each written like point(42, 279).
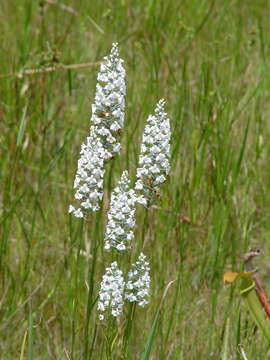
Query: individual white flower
point(111, 291)
point(154, 163)
point(89, 177)
point(108, 109)
point(138, 285)
point(121, 216)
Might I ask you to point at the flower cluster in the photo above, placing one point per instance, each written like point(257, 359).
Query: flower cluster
point(154, 163)
point(89, 177)
point(138, 285)
point(121, 216)
point(102, 144)
point(108, 109)
point(111, 291)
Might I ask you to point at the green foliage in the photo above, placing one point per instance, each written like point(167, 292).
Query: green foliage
point(252, 300)
point(255, 307)
point(210, 61)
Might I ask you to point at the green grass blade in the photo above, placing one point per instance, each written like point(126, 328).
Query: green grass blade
point(21, 127)
point(30, 334)
point(151, 336)
point(23, 346)
point(225, 351)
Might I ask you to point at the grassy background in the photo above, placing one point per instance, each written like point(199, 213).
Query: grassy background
point(210, 61)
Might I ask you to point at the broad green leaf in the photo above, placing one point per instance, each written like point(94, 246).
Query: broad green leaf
point(250, 296)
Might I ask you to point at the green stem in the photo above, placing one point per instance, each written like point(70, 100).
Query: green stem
point(145, 228)
point(131, 315)
point(91, 274)
point(75, 301)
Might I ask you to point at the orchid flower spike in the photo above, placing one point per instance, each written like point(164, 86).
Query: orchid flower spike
point(138, 285)
point(108, 109)
point(102, 143)
point(111, 291)
point(121, 216)
point(154, 163)
point(89, 177)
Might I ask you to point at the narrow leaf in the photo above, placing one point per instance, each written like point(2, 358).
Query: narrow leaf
point(150, 339)
point(22, 127)
point(23, 346)
point(225, 350)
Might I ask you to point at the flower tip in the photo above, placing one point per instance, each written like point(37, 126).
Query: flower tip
point(114, 51)
point(160, 106)
point(162, 101)
point(115, 45)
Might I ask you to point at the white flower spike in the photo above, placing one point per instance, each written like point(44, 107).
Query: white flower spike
point(121, 216)
point(111, 292)
point(138, 285)
point(108, 110)
point(89, 177)
point(102, 144)
point(154, 163)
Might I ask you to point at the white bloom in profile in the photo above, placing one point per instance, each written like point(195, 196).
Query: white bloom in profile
point(89, 177)
point(111, 291)
point(121, 216)
point(154, 163)
point(138, 285)
point(108, 109)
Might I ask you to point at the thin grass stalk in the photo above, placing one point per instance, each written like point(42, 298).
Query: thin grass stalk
point(128, 329)
point(75, 300)
point(94, 337)
point(238, 334)
point(30, 332)
point(151, 335)
point(91, 274)
point(110, 337)
point(172, 317)
point(23, 346)
point(144, 229)
point(225, 350)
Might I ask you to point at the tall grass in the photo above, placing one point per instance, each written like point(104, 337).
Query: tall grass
point(210, 61)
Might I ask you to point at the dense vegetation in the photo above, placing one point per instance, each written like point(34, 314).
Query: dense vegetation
point(210, 61)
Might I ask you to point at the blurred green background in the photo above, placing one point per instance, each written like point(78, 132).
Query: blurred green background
point(210, 61)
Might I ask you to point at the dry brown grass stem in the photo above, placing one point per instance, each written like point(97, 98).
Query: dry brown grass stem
point(20, 74)
point(63, 7)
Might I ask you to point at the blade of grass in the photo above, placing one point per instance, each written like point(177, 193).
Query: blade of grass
point(23, 346)
point(225, 352)
point(30, 333)
point(151, 336)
